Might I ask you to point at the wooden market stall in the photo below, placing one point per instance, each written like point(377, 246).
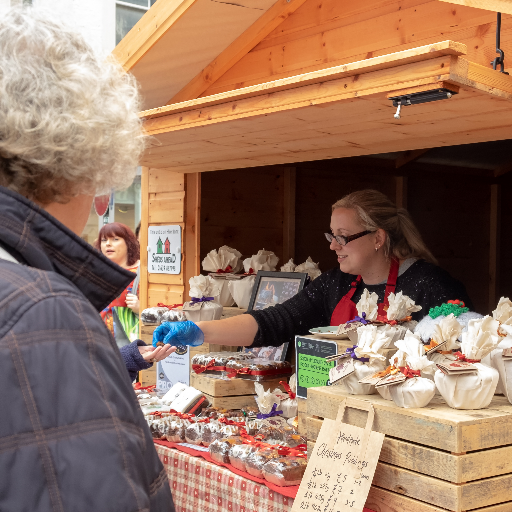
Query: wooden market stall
point(289, 102)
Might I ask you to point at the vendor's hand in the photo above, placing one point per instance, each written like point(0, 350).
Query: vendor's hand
point(178, 333)
point(152, 355)
point(132, 301)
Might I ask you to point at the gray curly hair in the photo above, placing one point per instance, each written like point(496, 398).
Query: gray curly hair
point(69, 120)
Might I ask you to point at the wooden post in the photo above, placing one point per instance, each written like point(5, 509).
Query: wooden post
point(401, 191)
point(289, 214)
point(494, 245)
point(144, 222)
point(192, 234)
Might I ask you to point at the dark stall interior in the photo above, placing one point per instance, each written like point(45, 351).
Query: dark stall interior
point(456, 196)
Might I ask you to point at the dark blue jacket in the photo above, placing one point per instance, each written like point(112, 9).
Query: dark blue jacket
point(72, 436)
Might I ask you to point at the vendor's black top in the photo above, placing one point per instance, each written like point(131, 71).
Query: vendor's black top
point(72, 435)
point(427, 284)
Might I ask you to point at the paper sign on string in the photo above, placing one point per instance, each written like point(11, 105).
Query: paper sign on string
point(341, 468)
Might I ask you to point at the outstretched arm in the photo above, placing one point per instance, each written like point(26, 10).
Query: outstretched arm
point(237, 331)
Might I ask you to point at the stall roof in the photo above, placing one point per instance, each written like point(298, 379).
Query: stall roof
point(178, 39)
point(335, 113)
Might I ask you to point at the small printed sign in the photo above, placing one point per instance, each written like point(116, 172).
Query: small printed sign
point(164, 249)
point(312, 368)
point(173, 369)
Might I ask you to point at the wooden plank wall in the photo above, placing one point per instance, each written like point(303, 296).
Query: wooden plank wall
point(163, 198)
point(324, 33)
point(245, 209)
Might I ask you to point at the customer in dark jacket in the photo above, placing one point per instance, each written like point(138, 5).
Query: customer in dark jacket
point(72, 437)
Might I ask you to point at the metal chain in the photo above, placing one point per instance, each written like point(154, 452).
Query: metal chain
point(500, 60)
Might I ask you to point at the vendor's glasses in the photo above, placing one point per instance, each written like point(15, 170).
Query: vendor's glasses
point(344, 240)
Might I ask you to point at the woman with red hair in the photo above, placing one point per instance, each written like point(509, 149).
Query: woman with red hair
point(119, 244)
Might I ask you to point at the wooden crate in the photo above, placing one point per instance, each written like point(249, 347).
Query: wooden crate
point(229, 387)
point(231, 402)
point(148, 377)
point(433, 459)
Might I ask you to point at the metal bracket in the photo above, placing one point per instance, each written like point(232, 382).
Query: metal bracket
point(500, 60)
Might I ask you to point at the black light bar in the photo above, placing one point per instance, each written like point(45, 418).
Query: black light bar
point(416, 98)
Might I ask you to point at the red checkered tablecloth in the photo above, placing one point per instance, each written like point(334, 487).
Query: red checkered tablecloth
point(199, 485)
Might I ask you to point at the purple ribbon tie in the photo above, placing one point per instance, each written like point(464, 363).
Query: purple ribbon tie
point(273, 412)
point(352, 353)
point(195, 300)
point(359, 319)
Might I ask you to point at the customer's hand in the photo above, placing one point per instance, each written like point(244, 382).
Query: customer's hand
point(178, 333)
point(132, 301)
point(152, 354)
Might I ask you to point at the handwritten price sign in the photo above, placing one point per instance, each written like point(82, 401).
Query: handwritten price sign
point(341, 468)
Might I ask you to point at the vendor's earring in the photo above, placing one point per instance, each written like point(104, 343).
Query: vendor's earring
point(376, 249)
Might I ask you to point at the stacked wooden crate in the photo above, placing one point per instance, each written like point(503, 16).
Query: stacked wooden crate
point(434, 459)
point(229, 393)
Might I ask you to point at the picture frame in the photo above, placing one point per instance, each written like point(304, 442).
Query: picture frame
point(282, 286)
point(271, 288)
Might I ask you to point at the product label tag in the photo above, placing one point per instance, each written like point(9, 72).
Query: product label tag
point(344, 367)
point(507, 353)
point(456, 367)
point(390, 380)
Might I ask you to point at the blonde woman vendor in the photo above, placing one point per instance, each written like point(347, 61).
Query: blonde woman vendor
point(377, 247)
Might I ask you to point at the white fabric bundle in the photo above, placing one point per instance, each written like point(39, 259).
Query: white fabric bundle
point(309, 267)
point(223, 259)
point(503, 366)
point(449, 330)
point(290, 406)
point(241, 290)
point(415, 391)
point(503, 314)
point(264, 260)
point(473, 390)
point(368, 304)
point(266, 399)
point(203, 286)
point(362, 370)
point(289, 267)
point(400, 306)
point(370, 342)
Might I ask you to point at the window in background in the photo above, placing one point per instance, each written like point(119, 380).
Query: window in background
point(128, 13)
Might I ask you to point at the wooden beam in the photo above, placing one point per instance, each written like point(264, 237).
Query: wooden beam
point(144, 224)
point(494, 251)
point(415, 55)
point(401, 191)
point(502, 169)
point(289, 213)
point(409, 156)
point(237, 49)
point(191, 256)
point(148, 30)
point(489, 5)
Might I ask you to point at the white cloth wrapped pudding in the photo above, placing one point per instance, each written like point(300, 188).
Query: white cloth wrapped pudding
point(290, 405)
point(222, 263)
point(289, 266)
point(416, 390)
point(503, 314)
point(204, 304)
point(241, 290)
point(309, 267)
point(400, 306)
point(368, 305)
point(370, 342)
point(503, 365)
point(472, 390)
point(264, 260)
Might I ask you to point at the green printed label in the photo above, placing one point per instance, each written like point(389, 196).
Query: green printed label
point(312, 368)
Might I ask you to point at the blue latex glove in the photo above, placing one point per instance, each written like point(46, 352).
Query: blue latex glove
point(178, 333)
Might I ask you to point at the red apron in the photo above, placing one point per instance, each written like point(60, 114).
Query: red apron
point(346, 310)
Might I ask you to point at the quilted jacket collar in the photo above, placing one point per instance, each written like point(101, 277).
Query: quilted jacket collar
point(37, 239)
